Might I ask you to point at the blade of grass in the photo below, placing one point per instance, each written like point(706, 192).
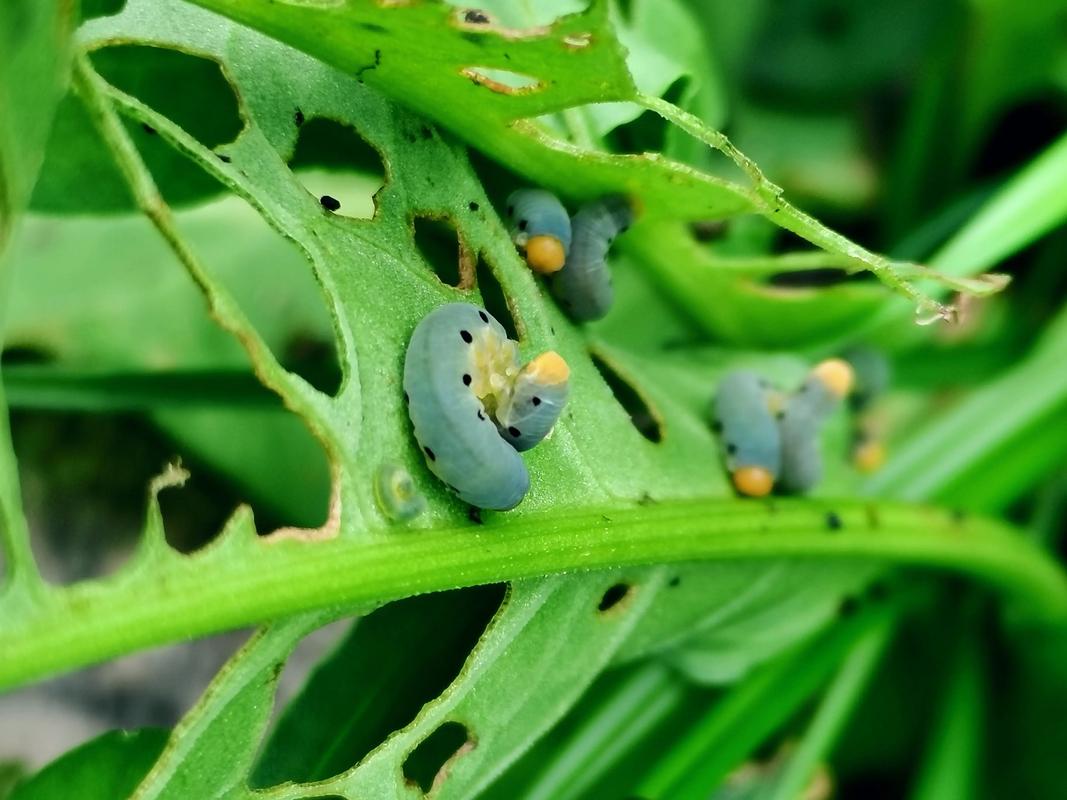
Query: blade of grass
point(833, 712)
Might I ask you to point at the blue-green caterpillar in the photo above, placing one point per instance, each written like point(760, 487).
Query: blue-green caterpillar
point(751, 441)
point(583, 287)
point(541, 228)
point(872, 372)
point(800, 423)
point(472, 406)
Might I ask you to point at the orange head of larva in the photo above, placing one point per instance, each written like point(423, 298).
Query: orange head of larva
point(868, 455)
point(836, 374)
point(753, 481)
point(545, 254)
point(549, 368)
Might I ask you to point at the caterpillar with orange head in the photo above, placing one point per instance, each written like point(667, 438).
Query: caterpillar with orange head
point(473, 407)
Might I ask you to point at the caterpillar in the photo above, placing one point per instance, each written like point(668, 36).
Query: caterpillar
point(872, 373)
point(541, 228)
point(583, 286)
point(802, 418)
point(396, 493)
point(472, 406)
point(751, 440)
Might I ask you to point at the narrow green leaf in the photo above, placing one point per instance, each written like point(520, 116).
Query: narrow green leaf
point(106, 768)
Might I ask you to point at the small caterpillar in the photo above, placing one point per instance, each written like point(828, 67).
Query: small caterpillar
point(872, 372)
point(750, 436)
point(541, 228)
point(801, 421)
point(396, 493)
point(473, 408)
point(583, 286)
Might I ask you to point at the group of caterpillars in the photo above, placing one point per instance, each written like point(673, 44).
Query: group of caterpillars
point(771, 440)
point(475, 407)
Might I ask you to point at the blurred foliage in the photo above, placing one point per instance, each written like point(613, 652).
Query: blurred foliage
point(795, 661)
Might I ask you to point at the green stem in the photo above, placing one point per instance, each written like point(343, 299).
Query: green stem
point(241, 579)
point(772, 205)
point(833, 712)
point(950, 767)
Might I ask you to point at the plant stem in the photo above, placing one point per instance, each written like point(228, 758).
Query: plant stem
point(242, 579)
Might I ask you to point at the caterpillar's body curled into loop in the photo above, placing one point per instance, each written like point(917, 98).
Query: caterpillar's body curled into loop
point(800, 422)
point(583, 286)
point(473, 407)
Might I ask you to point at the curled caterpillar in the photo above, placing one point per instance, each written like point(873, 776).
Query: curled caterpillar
point(583, 286)
point(750, 437)
point(472, 406)
point(541, 228)
point(396, 493)
point(802, 418)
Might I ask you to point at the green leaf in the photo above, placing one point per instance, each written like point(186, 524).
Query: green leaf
point(105, 768)
point(34, 64)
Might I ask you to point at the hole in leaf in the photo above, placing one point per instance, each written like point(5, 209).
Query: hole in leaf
point(641, 414)
point(84, 480)
point(809, 278)
point(108, 299)
point(420, 645)
point(444, 250)
point(100, 8)
point(273, 282)
point(502, 81)
point(19, 355)
point(333, 160)
point(494, 299)
point(188, 89)
point(429, 761)
point(614, 596)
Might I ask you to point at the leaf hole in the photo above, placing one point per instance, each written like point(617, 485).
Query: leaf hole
point(503, 81)
point(494, 299)
point(412, 650)
point(333, 160)
point(614, 596)
point(445, 251)
point(644, 419)
point(429, 763)
point(190, 90)
point(313, 359)
point(79, 175)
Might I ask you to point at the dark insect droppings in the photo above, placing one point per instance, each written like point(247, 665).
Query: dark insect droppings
point(429, 454)
point(466, 380)
point(473, 206)
point(330, 203)
point(833, 522)
point(475, 16)
point(466, 336)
